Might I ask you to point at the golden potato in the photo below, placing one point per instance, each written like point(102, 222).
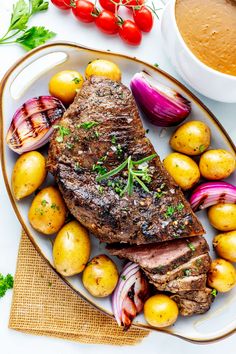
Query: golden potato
point(225, 245)
point(222, 275)
point(71, 249)
point(223, 216)
point(104, 68)
point(47, 213)
point(183, 169)
point(28, 174)
point(100, 276)
point(191, 138)
point(65, 84)
point(216, 164)
point(160, 311)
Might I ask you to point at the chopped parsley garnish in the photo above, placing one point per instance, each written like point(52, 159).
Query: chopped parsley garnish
point(101, 170)
point(187, 272)
point(44, 202)
point(202, 148)
point(198, 262)
point(147, 131)
point(69, 146)
point(214, 292)
point(113, 140)
point(123, 277)
point(117, 186)
point(77, 167)
point(119, 150)
point(169, 212)
point(156, 65)
point(100, 189)
point(179, 207)
point(6, 283)
point(63, 131)
point(88, 125)
point(96, 134)
point(76, 80)
point(39, 211)
point(54, 206)
point(191, 246)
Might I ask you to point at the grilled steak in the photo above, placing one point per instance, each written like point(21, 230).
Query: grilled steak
point(190, 307)
point(197, 282)
point(198, 295)
point(100, 130)
point(161, 257)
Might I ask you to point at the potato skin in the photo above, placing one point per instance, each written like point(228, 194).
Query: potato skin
point(28, 174)
point(216, 164)
point(225, 245)
point(100, 276)
point(71, 249)
point(104, 68)
point(160, 311)
point(183, 169)
point(223, 216)
point(222, 275)
point(191, 138)
point(47, 213)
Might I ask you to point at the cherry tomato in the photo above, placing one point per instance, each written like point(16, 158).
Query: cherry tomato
point(109, 5)
point(130, 33)
point(107, 22)
point(62, 4)
point(84, 10)
point(129, 3)
point(143, 19)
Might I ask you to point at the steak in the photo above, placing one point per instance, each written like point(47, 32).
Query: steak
point(161, 258)
point(198, 295)
point(100, 130)
point(190, 307)
point(197, 282)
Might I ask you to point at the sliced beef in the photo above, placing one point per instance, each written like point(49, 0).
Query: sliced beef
point(100, 130)
point(190, 307)
point(197, 282)
point(163, 257)
point(196, 295)
point(196, 265)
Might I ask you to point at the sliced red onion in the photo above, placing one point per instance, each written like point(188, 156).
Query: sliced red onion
point(162, 105)
point(129, 296)
point(32, 124)
point(211, 193)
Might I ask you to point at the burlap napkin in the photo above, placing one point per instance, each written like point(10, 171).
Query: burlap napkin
point(43, 305)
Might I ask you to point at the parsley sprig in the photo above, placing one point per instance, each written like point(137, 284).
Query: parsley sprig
point(19, 33)
point(138, 175)
point(6, 283)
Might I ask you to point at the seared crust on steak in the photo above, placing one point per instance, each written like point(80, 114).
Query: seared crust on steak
point(141, 218)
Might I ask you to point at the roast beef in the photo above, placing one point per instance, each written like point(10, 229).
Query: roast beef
point(197, 282)
point(191, 307)
point(100, 130)
point(198, 295)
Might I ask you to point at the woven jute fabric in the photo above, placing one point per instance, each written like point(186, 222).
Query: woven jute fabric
point(44, 305)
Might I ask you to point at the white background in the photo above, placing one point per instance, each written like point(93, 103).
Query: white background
point(12, 342)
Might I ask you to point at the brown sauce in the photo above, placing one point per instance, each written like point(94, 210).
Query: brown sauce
point(208, 27)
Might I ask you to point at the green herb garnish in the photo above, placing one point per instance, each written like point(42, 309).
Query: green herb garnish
point(156, 65)
point(198, 262)
point(76, 80)
point(113, 140)
point(169, 212)
point(133, 174)
point(191, 246)
point(44, 202)
point(54, 206)
point(214, 292)
point(63, 131)
point(202, 148)
point(187, 272)
point(123, 277)
point(179, 207)
point(6, 283)
point(96, 134)
point(88, 125)
point(100, 189)
point(69, 146)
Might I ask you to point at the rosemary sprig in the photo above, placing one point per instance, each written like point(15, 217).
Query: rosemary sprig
point(138, 175)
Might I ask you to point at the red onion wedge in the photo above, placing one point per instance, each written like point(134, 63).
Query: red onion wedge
point(32, 124)
point(162, 105)
point(211, 193)
point(130, 294)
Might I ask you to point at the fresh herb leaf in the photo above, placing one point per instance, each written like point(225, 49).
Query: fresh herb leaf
point(38, 5)
point(169, 211)
point(214, 292)
point(187, 272)
point(179, 207)
point(113, 140)
point(191, 246)
point(101, 170)
point(88, 125)
point(156, 65)
point(96, 134)
point(198, 262)
point(34, 37)
point(76, 80)
point(63, 131)
point(202, 148)
point(54, 206)
point(20, 16)
point(123, 277)
point(44, 202)
point(69, 146)
point(147, 131)
point(158, 194)
point(100, 189)
point(6, 283)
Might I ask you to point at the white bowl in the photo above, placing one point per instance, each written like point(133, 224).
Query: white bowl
point(207, 81)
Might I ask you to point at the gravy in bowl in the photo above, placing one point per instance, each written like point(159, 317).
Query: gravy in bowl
point(208, 27)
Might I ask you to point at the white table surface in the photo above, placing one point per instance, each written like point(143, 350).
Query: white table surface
point(12, 342)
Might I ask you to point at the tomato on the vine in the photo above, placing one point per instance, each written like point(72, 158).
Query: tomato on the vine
point(84, 11)
point(130, 33)
point(109, 4)
point(62, 4)
point(143, 19)
point(107, 22)
point(131, 3)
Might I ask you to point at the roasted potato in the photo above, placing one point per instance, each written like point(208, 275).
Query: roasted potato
point(47, 213)
point(71, 249)
point(222, 275)
point(160, 311)
point(225, 245)
point(183, 169)
point(28, 174)
point(223, 216)
point(65, 84)
point(100, 276)
point(191, 138)
point(216, 164)
point(104, 68)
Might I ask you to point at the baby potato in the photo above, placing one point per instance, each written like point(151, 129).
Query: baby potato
point(222, 275)
point(104, 68)
point(223, 216)
point(47, 213)
point(216, 164)
point(191, 138)
point(71, 249)
point(28, 174)
point(100, 276)
point(160, 311)
point(225, 245)
point(65, 84)
point(183, 169)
